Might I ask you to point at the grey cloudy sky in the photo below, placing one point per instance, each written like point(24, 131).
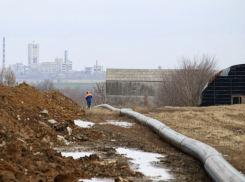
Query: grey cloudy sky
point(124, 33)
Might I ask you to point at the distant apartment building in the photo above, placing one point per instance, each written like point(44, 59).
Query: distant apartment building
point(18, 68)
point(96, 69)
point(58, 66)
point(33, 55)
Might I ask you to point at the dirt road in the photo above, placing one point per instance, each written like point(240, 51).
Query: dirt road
point(179, 165)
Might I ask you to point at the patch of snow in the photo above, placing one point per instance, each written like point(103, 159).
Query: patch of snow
point(97, 180)
point(44, 111)
point(119, 123)
point(69, 130)
point(52, 121)
point(83, 124)
point(76, 155)
point(143, 160)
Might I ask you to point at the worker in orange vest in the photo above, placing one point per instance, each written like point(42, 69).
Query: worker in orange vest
point(89, 99)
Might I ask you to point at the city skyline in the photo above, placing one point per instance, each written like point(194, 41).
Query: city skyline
point(125, 34)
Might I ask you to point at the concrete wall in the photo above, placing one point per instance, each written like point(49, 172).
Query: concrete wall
point(126, 85)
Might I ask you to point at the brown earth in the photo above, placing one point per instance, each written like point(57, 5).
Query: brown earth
point(28, 139)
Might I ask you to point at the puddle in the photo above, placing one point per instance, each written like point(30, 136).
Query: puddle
point(97, 180)
point(76, 155)
point(119, 123)
point(83, 124)
point(143, 162)
point(75, 152)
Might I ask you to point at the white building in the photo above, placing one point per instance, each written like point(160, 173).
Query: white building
point(58, 66)
point(96, 69)
point(33, 55)
point(18, 68)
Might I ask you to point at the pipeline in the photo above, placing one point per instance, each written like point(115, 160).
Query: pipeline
point(215, 165)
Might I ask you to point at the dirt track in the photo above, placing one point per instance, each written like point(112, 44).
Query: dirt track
point(181, 166)
point(27, 138)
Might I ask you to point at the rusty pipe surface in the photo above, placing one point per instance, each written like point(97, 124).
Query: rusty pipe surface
point(215, 165)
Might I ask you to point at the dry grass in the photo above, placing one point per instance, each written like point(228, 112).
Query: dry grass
point(222, 127)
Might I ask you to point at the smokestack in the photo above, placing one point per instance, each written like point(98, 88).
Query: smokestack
point(3, 52)
point(96, 67)
point(66, 56)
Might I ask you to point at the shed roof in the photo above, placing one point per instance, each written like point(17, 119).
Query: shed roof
point(135, 74)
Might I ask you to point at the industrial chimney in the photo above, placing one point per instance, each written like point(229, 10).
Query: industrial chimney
point(3, 52)
point(66, 56)
point(96, 67)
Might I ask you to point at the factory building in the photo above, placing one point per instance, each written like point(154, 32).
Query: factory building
point(58, 66)
point(225, 88)
point(96, 69)
point(47, 67)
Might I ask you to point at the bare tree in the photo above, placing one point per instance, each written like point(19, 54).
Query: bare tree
point(100, 93)
point(46, 85)
point(7, 77)
point(10, 79)
point(2, 71)
point(183, 85)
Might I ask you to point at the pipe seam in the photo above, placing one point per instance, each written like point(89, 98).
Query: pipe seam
point(211, 156)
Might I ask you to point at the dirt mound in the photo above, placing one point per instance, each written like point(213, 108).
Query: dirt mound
point(28, 134)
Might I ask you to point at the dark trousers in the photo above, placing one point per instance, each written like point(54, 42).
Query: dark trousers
point(89, 104)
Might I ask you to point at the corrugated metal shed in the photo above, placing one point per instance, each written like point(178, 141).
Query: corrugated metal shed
point(225, 88)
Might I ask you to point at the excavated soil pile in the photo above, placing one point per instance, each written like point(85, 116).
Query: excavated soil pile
point(32, 123)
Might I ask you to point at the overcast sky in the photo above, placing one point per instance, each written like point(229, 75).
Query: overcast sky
point(140, 34)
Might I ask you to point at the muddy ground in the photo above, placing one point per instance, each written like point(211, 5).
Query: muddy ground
point(181, 166)
point(29, 134)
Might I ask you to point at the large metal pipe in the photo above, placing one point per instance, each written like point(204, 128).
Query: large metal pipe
point(215, 165)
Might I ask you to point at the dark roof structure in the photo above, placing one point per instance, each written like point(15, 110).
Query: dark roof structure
point(225, 88)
